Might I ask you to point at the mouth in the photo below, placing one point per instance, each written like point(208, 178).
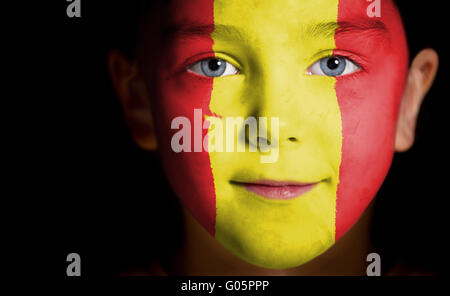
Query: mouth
point(278, 190)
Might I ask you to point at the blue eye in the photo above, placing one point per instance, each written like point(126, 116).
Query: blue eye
point(213, 67)
point(333, 66)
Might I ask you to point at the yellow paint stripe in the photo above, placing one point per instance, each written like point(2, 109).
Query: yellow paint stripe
point(268, 40)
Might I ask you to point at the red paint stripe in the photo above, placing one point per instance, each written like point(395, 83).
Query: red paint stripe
point(180, 93)
point(369, 103)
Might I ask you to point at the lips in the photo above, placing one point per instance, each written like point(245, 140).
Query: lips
point(276, 189)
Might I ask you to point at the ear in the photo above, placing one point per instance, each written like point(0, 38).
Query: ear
point(420, 78)
point(133, 96)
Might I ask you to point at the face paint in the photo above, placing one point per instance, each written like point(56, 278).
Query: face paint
point(178, 94)
point(369, 103)
point(335, 133)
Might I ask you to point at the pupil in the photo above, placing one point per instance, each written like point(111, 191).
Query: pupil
point(214, 64)
point(333, 63)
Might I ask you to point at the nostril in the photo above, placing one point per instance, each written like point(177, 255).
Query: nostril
point(293, 139)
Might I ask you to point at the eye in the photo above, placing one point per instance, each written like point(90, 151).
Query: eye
point(333, 66)
point(213, 67)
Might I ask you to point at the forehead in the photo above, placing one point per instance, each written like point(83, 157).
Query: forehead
point(253, 15)
point(289, 19)
point(186, 10)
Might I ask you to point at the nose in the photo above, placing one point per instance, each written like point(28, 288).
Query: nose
point(284, 93)
point(293, 139)
point(266, 135)
point(286, 109)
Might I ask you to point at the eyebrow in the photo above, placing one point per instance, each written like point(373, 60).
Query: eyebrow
point(198, 30)
point(368, 27)
point(365, 28)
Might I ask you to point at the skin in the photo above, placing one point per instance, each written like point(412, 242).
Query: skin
point(399, 99)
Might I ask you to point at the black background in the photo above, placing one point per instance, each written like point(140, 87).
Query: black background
point(102, 195)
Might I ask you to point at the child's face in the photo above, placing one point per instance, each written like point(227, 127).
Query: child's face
point(337, 117)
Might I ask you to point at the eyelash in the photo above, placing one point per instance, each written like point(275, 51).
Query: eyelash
point(208, 55)
point(351, 58)
point(354, 58)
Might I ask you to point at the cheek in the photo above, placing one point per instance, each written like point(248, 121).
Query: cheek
point(369, 108)
point(179, 93)
point(189, 173)
point(368, 113)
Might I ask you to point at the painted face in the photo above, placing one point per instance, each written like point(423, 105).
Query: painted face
point(332, 76)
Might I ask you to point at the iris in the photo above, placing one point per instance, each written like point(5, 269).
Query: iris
point(213, 67)
point(333, 66)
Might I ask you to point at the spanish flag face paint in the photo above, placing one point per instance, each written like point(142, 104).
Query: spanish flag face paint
point(331, 76)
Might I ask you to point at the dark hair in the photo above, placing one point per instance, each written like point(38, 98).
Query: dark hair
point(124, 18)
